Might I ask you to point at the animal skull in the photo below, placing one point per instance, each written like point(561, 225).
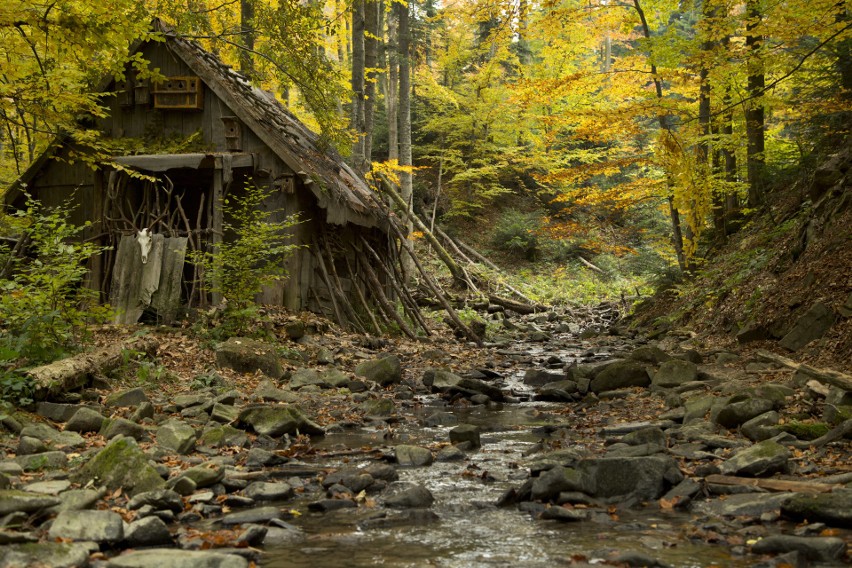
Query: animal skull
point(143, 237)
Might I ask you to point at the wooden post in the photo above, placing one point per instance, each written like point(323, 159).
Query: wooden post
point(218, 218)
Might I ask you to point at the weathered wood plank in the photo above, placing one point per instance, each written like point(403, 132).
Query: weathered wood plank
point(195, 161)
point(774, 484)
point(827, 376)
point(166, 300)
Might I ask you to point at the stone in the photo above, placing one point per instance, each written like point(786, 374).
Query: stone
point(143, 411)
point(123, 427)
point(441, 419)
point(440, 380)
point(13, 501)
point(223, 436)
point(176, 435)
point(674, 373)
point(408, 496)
point(43, 460)
point(762, 427)
point(412, 456)
point(121, 464)
point(57, 412)
point(742, 505)
point(833, 508)
point(85, 420)
point(53, 554)
point(450, 453)
point(172, 558)
point(306, 377)
point(472, 387)
point(825, 549)
point(620, 374)
point(161, 499)
point(354, 480)
point(256, 515)
point(277, 420)
point(204, 475)
point(252, 535)
point(810, 326)
point(737, 413)
point(538, 377)
point(78, 499)
point(560, 391)
point(753, 331)
point(563, 514)
point(258, 457)
point(335, 378)
point(246, 355)
point(328, 505)
point(650, 354)
point(53, 437)
point(267, 391)
point(51, 487)
point(263, 491)
point(763, 458)
point(280, 536)
point(148, 531)
point(224, 413)
point(621, 478)
point(97, 526)
point(550, 483)
point(466, 433)
point(28, 445)
point(385, 371)
point(131, 397)
point(295, 329)
point(378, 407)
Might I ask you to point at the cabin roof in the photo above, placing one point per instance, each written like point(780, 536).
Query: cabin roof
point(344, 195)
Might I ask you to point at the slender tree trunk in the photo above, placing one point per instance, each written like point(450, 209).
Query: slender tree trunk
point(754, 112)
point(405, 178)
point(844, 52)
point(393, 86)
point(674, 214)
point(247, 32)
point(356, 120)
point(371, 56)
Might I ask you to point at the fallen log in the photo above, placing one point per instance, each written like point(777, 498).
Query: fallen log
point(774, 484)
point(827, 376)
point(516, 306)
point(837, 433)
point(73, 372)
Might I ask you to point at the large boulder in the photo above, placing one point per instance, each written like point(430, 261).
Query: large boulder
point(176, 435)
point(97, 526)
point(53, 554)
point(831, 508)
point(674, 373)
point(764, 458)
point(277, 420)
point(121, 464)
point(14, 501)
point(621, 374)
point(624, 478)
point(246, 355)
point(385, 371)
point(739, 412)
point(812, 325)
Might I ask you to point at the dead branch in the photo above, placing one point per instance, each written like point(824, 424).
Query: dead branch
point(383, 301)
point(827, 376)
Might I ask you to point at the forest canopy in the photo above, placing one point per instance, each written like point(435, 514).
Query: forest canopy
point(594, 126)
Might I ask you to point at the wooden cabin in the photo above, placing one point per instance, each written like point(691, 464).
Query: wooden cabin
point(236, 134)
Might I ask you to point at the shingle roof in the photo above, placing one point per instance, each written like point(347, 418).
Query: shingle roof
point(338, 189)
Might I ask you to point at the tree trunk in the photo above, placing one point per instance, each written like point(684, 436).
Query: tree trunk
point(405, 178)
point(371, 48)
point(392, 98)
point(356, 120)
point(674, 214)
point(247, 32)
point(754, 111)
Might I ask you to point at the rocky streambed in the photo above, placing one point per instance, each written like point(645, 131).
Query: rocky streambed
point(553, 447)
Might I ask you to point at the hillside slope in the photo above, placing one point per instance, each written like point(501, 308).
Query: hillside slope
point(784, 277)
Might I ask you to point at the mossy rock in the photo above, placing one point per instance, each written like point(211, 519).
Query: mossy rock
point(121, 464)
point(386, 371)
point(806, 430)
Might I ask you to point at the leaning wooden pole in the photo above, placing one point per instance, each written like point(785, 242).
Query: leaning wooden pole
point(458, 274)
point(384, 303)
point(376, 327)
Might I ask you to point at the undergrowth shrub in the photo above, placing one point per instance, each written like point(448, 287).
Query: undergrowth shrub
point(44, 307)
point(516, 233)
point(251, 256)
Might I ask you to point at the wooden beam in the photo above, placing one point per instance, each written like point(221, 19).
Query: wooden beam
point(195, 161)
point(827, 376)
point(218, 229)
point(803, 486)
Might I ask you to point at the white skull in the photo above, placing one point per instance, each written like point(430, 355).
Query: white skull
point(143, 237)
